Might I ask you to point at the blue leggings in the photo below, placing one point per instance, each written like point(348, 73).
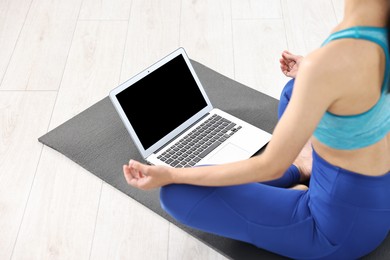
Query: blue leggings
point(343, 215)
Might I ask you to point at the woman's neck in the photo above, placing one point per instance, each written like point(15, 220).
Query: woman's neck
point(364, 13)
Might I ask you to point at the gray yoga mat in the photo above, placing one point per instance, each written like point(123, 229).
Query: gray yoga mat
point(97, 140)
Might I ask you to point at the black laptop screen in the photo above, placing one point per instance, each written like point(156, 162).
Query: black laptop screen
point(161, 101)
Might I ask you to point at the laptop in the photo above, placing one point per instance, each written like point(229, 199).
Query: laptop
point(172, 122)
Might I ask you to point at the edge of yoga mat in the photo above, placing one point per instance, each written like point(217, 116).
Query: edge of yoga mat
point(97, 140)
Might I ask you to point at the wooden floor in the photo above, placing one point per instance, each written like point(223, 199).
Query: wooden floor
point(59, 57)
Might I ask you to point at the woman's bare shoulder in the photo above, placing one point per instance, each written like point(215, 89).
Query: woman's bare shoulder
point(340, 63)
point(335, 67)
point(329, 58)
point(345, 56)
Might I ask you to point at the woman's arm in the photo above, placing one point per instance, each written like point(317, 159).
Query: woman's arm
point(314, 92)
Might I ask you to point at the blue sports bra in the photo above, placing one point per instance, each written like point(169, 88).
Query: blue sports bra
point(361, 130)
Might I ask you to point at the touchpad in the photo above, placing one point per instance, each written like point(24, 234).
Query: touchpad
point(229, 153)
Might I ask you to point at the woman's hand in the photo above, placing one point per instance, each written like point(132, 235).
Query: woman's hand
point(289, 64)
point(146, 177)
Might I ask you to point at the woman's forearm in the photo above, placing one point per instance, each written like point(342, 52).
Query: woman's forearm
point(255, 169)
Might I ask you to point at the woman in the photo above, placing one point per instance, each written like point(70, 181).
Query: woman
point(340, 104)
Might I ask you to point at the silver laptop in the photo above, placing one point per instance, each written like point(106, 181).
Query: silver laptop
point(172, 121)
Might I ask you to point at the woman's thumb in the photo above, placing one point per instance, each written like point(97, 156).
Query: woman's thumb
point(139, 167)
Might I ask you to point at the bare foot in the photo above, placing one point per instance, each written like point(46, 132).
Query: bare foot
point(299, 187)
point(304, 161)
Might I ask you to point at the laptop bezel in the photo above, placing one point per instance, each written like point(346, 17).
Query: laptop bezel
point(174, 133)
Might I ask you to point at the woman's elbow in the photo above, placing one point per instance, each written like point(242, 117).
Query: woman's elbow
point(269, 169)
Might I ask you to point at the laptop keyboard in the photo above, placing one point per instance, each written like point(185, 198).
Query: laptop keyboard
point(200, 142)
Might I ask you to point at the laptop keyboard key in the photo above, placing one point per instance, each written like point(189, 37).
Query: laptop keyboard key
point(208, 150)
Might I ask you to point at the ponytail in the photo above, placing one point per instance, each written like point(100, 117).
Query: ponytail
point(388, 38)
point(388, 21)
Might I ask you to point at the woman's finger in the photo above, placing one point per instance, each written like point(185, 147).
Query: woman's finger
point(290, 57)
point(127, 174)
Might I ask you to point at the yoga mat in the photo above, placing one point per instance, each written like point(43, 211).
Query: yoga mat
point(97, 140)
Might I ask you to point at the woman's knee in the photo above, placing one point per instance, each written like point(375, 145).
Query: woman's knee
point(179, 200)
point(170, 200)
point(285, 97)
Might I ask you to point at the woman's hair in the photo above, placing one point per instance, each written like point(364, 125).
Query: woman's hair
point(388, 36)
point(388, 20)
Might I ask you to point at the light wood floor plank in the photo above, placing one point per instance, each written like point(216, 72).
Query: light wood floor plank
point(59, 221)
point(126, 229)
point(12, 16)
point(105, 10)
point(339, 9)
point(254, 9)
point(257, 60)
point(93, 67)
point(308, 23)
point(153, 33)
point(40, 54)
point(184, 246)
point(23, 118)
point(206, 34)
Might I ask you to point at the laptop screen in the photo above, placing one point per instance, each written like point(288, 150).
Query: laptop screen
point(161, 101)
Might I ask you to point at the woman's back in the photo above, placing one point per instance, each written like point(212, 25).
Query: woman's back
point(358, 64)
